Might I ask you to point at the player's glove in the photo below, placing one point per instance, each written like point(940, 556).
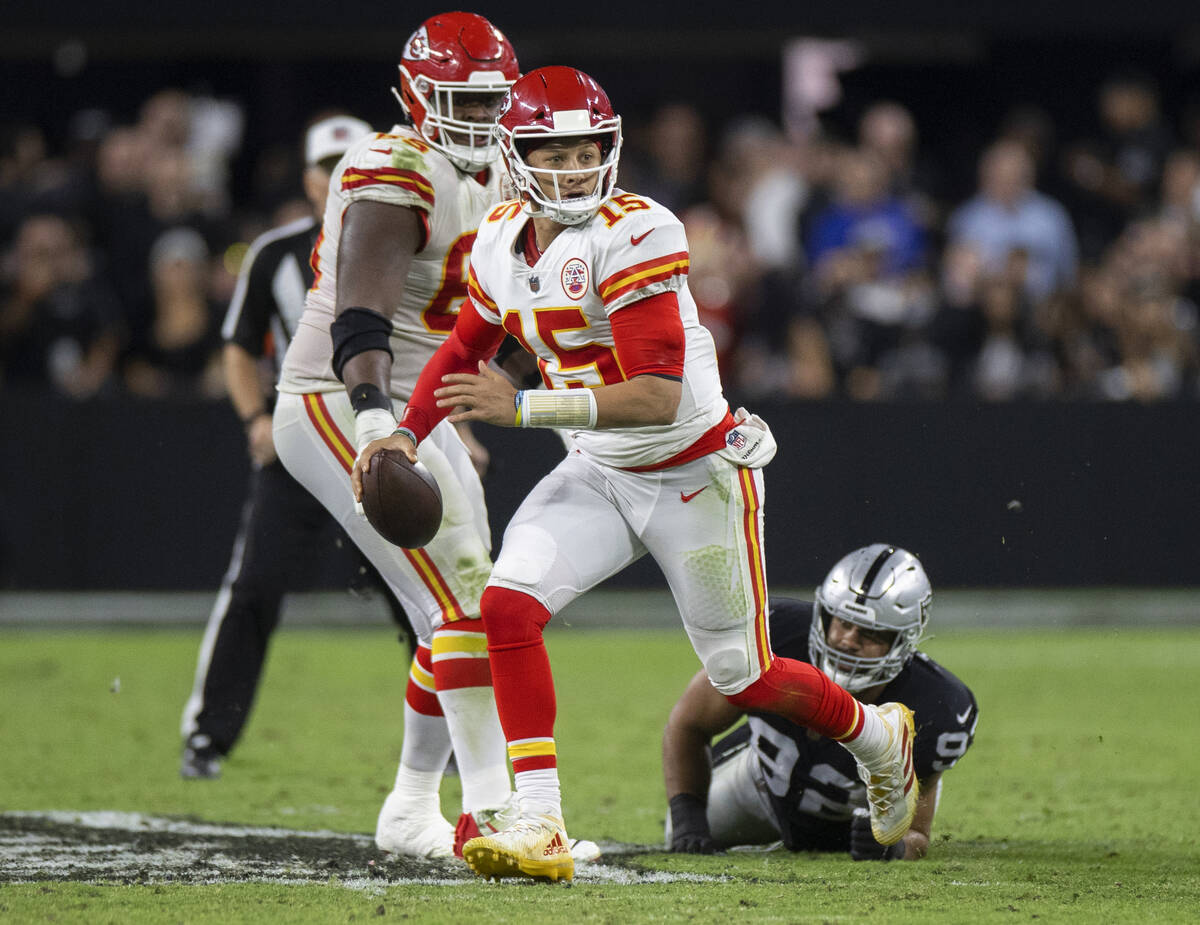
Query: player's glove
point(750, 444)
point(863, 846)
point(689, 826)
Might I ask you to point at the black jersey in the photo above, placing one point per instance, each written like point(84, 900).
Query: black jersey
point(269, 298)
point(812, 781)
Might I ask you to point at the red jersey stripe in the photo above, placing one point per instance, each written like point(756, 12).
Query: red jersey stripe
point(642, 274)
point(355, 178)
point(477, 292)
point(712, 440)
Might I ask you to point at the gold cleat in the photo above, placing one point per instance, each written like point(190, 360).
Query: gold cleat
point(534, 846)
point(892, 787)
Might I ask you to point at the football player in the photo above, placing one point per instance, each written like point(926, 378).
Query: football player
point(593, 281)
point(771, 780)
point(390, 277)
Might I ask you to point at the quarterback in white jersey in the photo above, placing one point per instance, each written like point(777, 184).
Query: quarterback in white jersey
point(390, 275)
point(593, 282)
point(561, 307)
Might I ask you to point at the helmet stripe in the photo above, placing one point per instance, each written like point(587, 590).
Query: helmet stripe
point(873, 572)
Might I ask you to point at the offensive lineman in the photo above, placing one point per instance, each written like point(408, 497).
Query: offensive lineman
point(770, 780)
point(593, 281)
point(390, 277)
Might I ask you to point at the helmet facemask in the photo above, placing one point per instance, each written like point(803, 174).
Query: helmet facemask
point(877, 588)
point(528, 181)
point(436, 108)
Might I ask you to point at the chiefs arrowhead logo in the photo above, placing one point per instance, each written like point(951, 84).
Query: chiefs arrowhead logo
point(575, 278)
point(417, 48)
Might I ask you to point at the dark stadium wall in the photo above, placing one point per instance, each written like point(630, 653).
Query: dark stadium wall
point(78, 17)
point(135, 495)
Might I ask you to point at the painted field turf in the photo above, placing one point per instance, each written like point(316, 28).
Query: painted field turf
point(1076, 803)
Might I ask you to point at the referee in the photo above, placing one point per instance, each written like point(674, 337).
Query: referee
point(286, 536)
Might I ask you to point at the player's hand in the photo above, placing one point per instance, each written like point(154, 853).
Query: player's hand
point(863, 846)
point(693, 843)
point(362, 464)
point(689, 826)
point(486, 396)
point(260, 440)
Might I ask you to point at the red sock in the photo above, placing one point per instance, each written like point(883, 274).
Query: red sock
point(803, 694)
point(521, 676)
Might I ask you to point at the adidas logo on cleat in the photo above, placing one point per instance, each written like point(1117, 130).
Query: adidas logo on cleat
point(555, 846)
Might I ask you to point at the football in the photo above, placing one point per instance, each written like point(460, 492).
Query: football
point(402, 501)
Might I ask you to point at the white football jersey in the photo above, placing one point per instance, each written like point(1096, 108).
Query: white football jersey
point(559, 309)
point(401, 169)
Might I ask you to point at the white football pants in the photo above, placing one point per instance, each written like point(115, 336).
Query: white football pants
point(440, 583)
point(702, 523)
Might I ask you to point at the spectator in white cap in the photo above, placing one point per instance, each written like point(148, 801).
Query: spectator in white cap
point(324, 144)
point(285, 536)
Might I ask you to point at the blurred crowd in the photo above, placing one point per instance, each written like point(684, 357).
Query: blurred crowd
point(825, 263)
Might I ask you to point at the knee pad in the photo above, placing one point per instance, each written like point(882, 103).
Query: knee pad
point(527, 556)
point(511, 618)
point(728, 670)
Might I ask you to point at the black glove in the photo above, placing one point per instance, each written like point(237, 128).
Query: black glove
point(689, 826)
point(863, 846)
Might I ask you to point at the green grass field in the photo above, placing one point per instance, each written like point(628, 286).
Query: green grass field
point(1075, 804)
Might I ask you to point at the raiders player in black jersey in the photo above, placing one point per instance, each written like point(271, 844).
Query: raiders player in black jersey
point(770, 781)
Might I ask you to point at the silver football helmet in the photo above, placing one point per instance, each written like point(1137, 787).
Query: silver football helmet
point(878, 587)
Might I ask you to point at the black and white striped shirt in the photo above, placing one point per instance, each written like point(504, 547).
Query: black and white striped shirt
point(269, 297)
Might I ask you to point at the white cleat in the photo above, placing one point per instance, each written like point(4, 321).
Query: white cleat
point(892, 784)
point(536, 845)
point(583, 851)
point(413, 830)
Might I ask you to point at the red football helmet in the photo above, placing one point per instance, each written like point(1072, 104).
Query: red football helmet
point(558, 102)
point(454, 71)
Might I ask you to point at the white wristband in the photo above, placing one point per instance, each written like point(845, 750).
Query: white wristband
point(566, 408)
point(372, 424)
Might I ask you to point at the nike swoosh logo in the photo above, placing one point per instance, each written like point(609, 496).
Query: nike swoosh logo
point(382, 150)
point(686, 498)
point(638, 239)
point(962, 717)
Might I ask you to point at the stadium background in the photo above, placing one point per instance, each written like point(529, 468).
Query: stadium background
point(119, 492)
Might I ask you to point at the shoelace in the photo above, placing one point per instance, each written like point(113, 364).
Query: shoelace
point(497, 819)
point(885, 789)
point(527, 825)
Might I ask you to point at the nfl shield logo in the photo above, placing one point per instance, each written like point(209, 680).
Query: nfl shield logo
point(534, 284)
point(736, 439)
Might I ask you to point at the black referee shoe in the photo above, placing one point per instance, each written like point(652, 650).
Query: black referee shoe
point(200, 762)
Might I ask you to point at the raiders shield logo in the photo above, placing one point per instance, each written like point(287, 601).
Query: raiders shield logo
point(575, 278)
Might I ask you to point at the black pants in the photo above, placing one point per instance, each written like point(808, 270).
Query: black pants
point(286, 542)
